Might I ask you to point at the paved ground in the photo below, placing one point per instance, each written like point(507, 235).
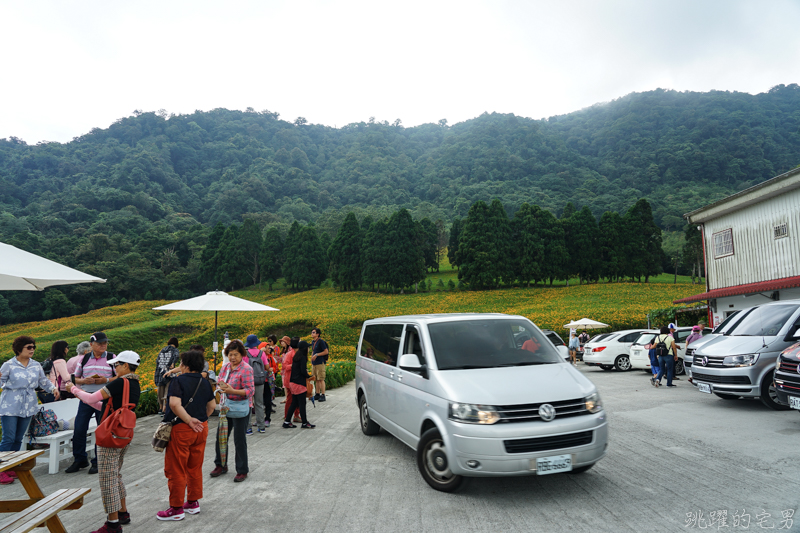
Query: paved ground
point(671, 452)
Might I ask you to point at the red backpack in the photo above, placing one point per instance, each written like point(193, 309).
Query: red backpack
point(116, 430)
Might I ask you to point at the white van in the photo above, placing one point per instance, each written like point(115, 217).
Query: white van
point(477, 395)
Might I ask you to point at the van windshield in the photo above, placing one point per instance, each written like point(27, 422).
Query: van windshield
point(766, 321)
point(487, 343)
point(729, 322)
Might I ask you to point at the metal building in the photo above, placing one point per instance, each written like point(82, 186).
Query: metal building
point(751, 245)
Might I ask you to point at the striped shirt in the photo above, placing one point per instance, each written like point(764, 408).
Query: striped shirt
point(95, 365)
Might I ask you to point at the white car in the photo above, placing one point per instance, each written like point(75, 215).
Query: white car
point(611, 350)
point(639, 352)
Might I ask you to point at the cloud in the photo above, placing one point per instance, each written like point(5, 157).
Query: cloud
point(78, 65)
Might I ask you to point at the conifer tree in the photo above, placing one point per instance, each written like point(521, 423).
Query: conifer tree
point(452, 246)
point(643, 241)
point(583, 245)
point(271, 257)
point(611, 246)
point(291, 261)
point(249, 251)
point(428, 242)
point(375, 253)
point(475, 254)
point(208, 264)
point(528, 252)
point(345, 255)
point(406, 264)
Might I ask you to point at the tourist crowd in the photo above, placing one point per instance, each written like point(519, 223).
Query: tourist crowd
point(189, 392)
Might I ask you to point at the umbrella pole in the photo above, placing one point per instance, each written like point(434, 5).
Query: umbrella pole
point(216, 344)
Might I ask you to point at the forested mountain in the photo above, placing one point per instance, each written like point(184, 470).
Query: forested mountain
point(135, 202)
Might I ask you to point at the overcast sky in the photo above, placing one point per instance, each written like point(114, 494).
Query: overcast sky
point(70, 66)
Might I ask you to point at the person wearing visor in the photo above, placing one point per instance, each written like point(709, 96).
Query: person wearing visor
point(91, 373)
point(110, 460)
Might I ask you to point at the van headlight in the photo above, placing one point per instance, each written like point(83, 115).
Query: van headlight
point(593, 403)
point(473, 414)
point(740, 360)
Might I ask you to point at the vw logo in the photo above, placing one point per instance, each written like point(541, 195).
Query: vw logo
point(704, 361)
point(547, 412)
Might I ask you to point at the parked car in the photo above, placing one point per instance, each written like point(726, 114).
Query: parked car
point(640, 350)
point(742, 362)
point(558, 342)
point(474, 400)
point(787, 375)
point(611, 350)
point(718, 332)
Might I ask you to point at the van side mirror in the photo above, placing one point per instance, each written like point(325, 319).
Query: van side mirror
point(410, 362)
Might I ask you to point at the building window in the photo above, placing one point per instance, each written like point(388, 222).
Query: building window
point(781, 230)
point(723, 243)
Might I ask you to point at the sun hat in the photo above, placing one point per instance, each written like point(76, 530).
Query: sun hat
point(286, 339)
point(696, 328)
point(252, 341)
point(128, 356)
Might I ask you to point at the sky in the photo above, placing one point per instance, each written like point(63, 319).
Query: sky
point(73, 65)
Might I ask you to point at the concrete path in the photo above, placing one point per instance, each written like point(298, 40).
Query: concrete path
point(672, 452)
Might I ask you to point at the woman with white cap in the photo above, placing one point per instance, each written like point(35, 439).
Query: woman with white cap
point(109, 460)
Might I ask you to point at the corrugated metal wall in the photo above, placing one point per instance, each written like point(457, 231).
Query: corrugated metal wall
point(757, 255)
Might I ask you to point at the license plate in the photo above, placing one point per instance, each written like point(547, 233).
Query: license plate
point(553, 464)
point(794, 402)
point(705, 387)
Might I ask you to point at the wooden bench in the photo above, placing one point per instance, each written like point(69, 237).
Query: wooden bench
point(61, 442)
point(45, 511)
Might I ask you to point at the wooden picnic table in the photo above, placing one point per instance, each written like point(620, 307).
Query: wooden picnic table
point(38, 509)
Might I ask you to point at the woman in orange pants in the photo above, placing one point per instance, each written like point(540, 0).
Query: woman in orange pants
point(190, 401)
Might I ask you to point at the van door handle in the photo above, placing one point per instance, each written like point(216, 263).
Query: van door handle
point(391, 374)
point(399, 377)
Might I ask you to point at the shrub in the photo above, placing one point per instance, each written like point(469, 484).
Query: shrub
point(148, 403)
point(339, 373)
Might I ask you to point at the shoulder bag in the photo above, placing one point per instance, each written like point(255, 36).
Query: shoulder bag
point(164, 430)
point(236, 408)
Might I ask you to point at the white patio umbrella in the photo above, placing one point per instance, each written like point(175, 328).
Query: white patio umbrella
point(215, 301)
point(24, 271)
point(585, 323)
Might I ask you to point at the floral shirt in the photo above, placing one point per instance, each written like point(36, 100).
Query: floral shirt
point(241, 378)
point(19, 387)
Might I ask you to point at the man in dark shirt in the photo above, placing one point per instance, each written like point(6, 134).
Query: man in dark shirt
point(319, 357)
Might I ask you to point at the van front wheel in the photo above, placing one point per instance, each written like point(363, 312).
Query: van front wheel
point(433, 463)
point(368, 427)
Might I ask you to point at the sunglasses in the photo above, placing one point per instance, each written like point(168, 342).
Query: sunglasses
point(30, 347)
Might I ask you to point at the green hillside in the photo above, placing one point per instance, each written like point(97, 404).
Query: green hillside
point(135, 202)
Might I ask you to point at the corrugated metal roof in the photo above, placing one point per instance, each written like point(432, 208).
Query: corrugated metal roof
point(750, 288)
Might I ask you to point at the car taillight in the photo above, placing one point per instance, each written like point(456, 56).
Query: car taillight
point(598, 349)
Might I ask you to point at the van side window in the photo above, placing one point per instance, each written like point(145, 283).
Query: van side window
point(381, 342)
point(413, 343)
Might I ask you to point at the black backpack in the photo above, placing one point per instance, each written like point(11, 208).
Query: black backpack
point(47, 366)
point(661, 347)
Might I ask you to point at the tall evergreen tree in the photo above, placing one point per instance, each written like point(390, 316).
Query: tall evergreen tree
point(475, 254)
point(583, 246)
point(375, 251)
point(499, 232)
point(292, 260)
point(611, 246)
point(249, 250)
point(441, 242)
point(229, 270)
point(644, 241)
point(452, 246)
point(311, 269)
point(528, 252)
point(271, 257)
point(556, 255)
point(208, 264)
point(406, 264)
point(345, 255)
point(428, 242)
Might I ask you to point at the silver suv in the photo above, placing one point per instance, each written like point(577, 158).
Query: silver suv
point(477, 395)
point(741, 361)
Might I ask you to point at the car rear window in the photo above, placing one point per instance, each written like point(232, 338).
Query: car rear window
point(645, 338)
point(766, 321)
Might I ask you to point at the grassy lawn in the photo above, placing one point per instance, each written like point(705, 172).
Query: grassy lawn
point(136, 326)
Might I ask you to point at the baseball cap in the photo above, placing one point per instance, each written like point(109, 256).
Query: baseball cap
point(98, 336)
point(128, 356)
point(672, 326)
